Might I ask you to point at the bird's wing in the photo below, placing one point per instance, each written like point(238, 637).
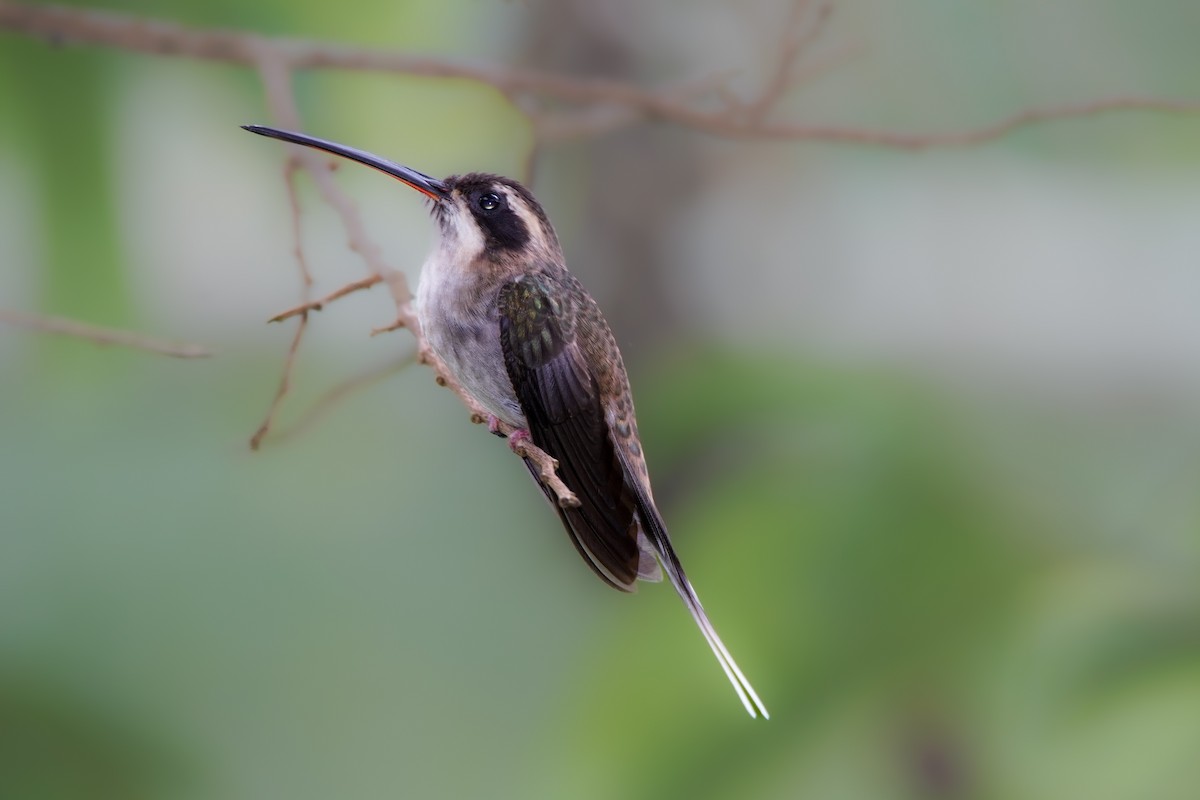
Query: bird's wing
point(562, 405)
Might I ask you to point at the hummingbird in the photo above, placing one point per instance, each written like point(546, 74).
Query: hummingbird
point(524, 338)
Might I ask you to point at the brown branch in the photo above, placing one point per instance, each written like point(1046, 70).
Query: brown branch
point(63, 24)
point(317, 305)
point(102, 336)
point(795, 39)
point(547, 471)
point(962, 138)
point(546, 464)
point(285, 385)
point(600, 105)
point(289, 177)
point(277, 81)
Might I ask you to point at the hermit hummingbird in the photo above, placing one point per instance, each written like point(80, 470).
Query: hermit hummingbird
point(523, 337)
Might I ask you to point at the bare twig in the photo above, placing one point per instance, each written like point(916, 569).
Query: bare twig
point(795, 39)
point(545, 463)
point(547, 471)
point(277, 80)
point(285, 385)
point(317, 305)
point(394, 325)
point(982, 134)
point(289, 177)
point(102, 336)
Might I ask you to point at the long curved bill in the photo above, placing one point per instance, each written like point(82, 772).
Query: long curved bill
point(430, 187)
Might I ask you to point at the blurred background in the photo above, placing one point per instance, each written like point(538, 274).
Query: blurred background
point(925, 425)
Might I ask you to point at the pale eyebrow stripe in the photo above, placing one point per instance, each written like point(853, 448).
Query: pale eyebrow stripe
point(532, 223)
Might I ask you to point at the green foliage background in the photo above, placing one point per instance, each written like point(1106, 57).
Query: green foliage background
point(939, 592)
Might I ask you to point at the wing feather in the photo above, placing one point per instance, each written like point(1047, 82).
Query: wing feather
point(562, 405)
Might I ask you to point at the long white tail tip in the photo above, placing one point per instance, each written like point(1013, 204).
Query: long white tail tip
point(750, 699)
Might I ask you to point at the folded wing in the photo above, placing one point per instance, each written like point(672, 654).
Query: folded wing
point(562, 405)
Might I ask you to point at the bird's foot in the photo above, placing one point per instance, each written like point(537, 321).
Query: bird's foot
point(516, 438)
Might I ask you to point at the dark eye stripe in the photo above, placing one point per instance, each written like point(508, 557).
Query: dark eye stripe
point(501, 224)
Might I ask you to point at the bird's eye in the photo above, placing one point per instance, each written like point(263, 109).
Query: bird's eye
point(489, 201)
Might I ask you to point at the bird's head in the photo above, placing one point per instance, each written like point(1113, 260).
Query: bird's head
point(478, 215)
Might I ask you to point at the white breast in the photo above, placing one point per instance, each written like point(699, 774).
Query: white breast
point(463, 329)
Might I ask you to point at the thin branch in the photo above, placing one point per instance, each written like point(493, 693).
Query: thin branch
point(317, 305)
point(277, 80)
point(63, 24)
point(102, 336)
point(973, 136)
point(285, 385)
point(289, 176)
point(276, 76)
point(600, 105)
point(547, 471)
point(796, 39)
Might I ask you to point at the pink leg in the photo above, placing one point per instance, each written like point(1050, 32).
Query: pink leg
point(514, 439)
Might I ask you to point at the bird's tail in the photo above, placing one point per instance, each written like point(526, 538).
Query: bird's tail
point(656, 532)
point(682, 585)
